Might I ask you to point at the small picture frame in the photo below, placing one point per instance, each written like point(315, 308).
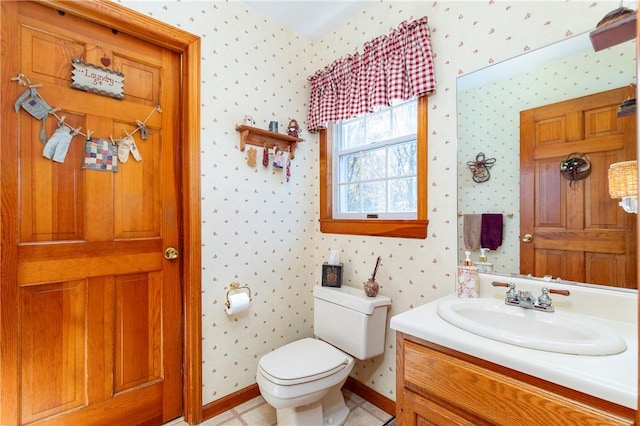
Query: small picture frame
point(331, 275)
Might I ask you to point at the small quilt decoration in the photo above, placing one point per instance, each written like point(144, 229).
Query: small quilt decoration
point(100, 154)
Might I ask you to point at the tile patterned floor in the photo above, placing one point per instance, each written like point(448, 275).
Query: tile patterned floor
point(258, 413)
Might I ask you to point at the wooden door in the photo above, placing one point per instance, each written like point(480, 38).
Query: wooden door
point(91, 310)
point(578, 232)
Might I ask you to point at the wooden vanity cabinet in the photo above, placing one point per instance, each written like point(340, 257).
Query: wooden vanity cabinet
point(439, 386)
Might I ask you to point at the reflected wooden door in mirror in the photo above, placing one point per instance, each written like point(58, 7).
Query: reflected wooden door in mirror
point(578, 232)
point(489, 101)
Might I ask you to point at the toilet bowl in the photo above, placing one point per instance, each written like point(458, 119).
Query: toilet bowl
point(302, 380)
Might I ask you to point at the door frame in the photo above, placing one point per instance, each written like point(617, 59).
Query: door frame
point(122, 19)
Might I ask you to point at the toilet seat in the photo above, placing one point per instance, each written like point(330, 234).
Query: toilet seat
point(302, 361)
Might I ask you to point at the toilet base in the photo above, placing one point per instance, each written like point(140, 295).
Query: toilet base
point(334, 410)
point(329, 411)
point(338, 418)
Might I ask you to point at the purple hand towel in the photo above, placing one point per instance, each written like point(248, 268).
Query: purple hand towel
point(491, 233)
point(471, 229)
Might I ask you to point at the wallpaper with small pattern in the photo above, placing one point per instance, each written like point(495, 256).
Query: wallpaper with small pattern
point(489, 125)
point(262, 231)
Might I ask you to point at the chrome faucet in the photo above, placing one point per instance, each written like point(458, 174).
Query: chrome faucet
point(526, 299)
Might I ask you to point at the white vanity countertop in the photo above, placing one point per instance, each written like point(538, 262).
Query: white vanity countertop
point(611, 377)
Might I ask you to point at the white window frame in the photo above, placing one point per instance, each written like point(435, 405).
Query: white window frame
point(383, 144)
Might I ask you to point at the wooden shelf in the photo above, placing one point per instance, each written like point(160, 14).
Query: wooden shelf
point(260, 137)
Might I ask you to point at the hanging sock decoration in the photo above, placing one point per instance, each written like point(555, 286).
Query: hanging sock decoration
point(142, 125)
point(98, 156)
point(288, 169)
point(265, 156)
point(143, 130)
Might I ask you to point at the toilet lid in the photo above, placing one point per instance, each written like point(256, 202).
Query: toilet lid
point(302, 361)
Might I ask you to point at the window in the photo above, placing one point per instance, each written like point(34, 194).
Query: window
point(375, 165)
point(373, 172)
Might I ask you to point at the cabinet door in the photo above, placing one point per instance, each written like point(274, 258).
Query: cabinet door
point(419, 411)
point(479, 393)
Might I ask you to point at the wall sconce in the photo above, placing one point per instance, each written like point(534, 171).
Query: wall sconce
point(623, 184)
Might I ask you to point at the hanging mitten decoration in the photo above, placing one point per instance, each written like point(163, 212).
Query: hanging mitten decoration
point(58, 144)
point(126, 146)
point(123, 151)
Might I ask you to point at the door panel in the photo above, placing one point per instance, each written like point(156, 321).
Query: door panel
point(138, 189)
point(51, 196)
point(137, 338)
point(550, 210)
point(53, 358)
point(98, 310)
point(579, 232)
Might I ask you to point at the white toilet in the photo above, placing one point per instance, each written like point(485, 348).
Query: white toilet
point(302, 379)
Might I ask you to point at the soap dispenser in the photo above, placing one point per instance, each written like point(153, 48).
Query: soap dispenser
point(483, 264)
point(467, 279)
point(467, 259)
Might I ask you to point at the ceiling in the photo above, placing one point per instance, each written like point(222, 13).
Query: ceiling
point(309, 18)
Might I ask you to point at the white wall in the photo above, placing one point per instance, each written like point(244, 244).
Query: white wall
point(261, 231)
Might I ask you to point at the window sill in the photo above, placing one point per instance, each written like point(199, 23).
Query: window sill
point(375, 227)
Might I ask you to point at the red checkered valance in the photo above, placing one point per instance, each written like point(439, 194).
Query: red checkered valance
point(394, 66)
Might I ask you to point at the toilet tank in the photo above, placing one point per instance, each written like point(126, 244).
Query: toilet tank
point(350, 320)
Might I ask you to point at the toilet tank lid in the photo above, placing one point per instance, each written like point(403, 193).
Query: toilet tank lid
point(351, 297)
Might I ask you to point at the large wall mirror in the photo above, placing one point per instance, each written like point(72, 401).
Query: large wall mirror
point(489, 102)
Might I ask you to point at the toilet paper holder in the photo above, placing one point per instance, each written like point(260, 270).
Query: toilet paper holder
point(233, 287)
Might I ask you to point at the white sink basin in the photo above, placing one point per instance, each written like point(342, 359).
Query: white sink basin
point(552, 332)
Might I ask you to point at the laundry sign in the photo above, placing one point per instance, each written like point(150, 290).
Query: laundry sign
point(92, 78)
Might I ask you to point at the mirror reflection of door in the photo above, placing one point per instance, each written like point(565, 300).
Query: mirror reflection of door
point(572, 229)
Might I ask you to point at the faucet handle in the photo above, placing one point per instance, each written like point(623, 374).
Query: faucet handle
point(544, 301)
point(544, 298)
point(511, 298)
point(501, 284)
point(562, 292)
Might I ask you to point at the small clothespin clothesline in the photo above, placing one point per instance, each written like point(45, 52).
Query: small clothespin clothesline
point(74, 131)
point(23, 80)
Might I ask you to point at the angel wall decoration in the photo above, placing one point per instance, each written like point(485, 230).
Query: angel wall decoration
point(480, 167)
